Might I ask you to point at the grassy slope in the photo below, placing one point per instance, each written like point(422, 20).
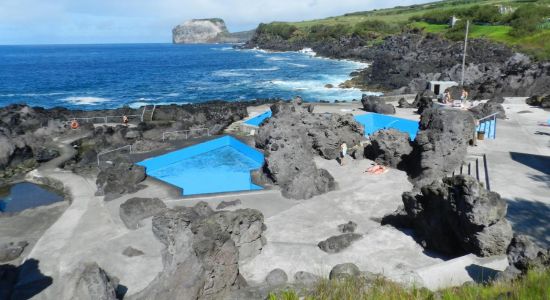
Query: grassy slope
point(536, 44)
point(534, 286)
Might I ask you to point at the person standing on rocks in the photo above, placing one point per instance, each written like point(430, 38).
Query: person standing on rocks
point(343, 152)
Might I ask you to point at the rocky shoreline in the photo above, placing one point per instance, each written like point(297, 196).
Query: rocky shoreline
point(406, 62)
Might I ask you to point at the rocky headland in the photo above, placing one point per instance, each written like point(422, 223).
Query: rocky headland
point(205, 31)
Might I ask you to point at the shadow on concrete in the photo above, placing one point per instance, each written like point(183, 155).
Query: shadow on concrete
point(23, 282)
point(538, 162)
point(530, 218)
point(481, 274)
point(542, 133)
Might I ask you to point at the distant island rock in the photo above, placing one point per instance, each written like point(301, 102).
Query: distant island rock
point(202, 31)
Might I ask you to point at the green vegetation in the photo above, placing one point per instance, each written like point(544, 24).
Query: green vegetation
point(522, 24)
point(534, 286)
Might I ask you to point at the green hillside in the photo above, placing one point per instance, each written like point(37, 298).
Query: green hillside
point(521, 24)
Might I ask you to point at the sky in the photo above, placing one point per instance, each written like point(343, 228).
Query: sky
point(151, 21)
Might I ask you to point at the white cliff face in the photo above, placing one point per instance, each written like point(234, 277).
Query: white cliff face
point(199, 31)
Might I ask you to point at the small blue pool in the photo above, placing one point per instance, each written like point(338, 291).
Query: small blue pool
point(217, 166)
point(21, 196)
point(374, 122)
point(257, 120)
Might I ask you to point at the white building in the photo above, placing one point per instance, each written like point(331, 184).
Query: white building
point(439, 87)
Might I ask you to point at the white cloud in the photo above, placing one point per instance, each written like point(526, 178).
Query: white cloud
point(77, 21)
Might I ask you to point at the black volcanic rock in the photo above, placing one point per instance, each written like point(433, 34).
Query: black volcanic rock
point(377, 105)
point(119, 178)
point(457, 216)
point(133, 210)
point(440, 145)
point(292, 136)
point(390, 147)
point(201, 252)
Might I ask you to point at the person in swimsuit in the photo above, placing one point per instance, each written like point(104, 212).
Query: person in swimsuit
point(343, 152)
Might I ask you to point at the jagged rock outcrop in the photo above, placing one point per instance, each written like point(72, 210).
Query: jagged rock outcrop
point(119, 178)
point(201, 254)
point(390, 147)
point(457, 216)
point(524, 254)
point(377, 105)
point(292, 136)
point(207, 31)
point(133, 210)
point(440, 145)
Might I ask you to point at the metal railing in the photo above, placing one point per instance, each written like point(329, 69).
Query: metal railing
point(485, 125)
point(474, 170)
point(104, 119)
point(129, 147)
point(186, 133)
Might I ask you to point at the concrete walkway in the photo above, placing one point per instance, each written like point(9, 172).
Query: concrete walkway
point(519, 167)
point(90, 231)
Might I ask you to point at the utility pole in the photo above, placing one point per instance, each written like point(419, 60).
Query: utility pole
point(464, 54)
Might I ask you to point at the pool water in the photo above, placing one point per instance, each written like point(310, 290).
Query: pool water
point(26, 195)
point(257, 120)
point(217, 166)
point(374, 122)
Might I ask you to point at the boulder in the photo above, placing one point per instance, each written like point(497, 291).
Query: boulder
point(524, 254)
point(118, 179)
point(276, 277)
point(487, 109)
point(535, 100)
point(337, 243)
point(348, 227)
point(11, 251)
point(132, 252)
point(377, 105)
point(225, 204)
point(92, 283)
point(390, 147)
point(133, 210)
point(291, 138)
point(200, 255)
point(440, 145)
point(45, 154)
point(458, 216)
point(402, 103)
point(545, 102)
point(344, 271)
point(306, 278)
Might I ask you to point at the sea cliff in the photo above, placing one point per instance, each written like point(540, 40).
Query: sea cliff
point(202, 31)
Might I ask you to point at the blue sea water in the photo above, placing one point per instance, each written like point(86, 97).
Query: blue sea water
point(108, 76)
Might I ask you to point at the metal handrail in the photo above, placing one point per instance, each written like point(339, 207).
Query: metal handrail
point(113, 150)
point(483, 122)
point(164, 134)
point(104, 118)
point(477, 173)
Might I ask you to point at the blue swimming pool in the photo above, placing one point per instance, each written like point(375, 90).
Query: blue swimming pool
point(217, 166)
point(374, 122)
point(257, 120)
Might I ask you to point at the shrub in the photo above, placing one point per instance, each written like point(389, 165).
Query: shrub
point(366, 27)
point(528, 18)
point(283, 30)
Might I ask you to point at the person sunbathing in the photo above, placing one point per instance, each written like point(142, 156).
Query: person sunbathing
point(377, 170)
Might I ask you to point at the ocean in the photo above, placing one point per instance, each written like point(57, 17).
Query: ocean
point(109, 76)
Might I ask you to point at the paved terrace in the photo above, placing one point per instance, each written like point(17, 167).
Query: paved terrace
point(518, 163)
